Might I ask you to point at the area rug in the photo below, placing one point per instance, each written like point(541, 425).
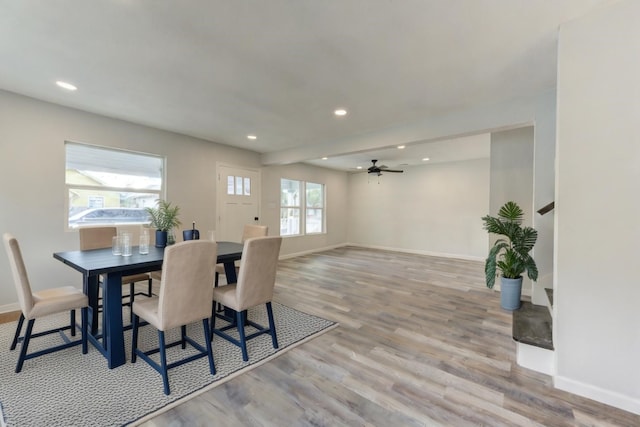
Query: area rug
point(68, 388)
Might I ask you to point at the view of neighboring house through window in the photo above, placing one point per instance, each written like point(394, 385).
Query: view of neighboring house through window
point(301, 210)
point(106, 186)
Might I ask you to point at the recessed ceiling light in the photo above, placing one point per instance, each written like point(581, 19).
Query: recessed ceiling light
point(426, 159)
point(401, 147)
point(252, 137)
point(65, 85)
point(358, 167)
point(324, 158)
point(340, 112)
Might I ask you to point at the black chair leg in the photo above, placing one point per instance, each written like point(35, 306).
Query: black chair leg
point(25, 344)
point(272, 326)
point(243, 341)
point(132, 290)
point(163, 363)
point(215, 285)
point(18, 329)
point(150, 293)
point(84, 314)
point(134, 338)
point(207, 334)
point(213, 320)
point(72, 320)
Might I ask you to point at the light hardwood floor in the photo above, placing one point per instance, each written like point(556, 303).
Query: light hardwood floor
point(421, 342)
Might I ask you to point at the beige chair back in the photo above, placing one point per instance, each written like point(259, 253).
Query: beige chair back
point(257, 275)
point(96, 237)
point(19, 271)
point(185, 289)
point(251, 230)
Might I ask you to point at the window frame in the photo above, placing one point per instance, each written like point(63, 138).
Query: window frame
point(160, 193)
point(302, 208)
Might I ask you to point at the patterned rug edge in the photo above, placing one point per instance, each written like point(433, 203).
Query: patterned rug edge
point(229, 377)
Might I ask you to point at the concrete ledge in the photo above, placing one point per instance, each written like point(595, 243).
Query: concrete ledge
point(532, 325)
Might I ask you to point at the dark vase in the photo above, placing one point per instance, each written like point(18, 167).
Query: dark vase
point(161, 239)
point(192, 234)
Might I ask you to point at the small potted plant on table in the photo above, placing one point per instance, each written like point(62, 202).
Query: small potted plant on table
point(509, 257)
point(164, 218)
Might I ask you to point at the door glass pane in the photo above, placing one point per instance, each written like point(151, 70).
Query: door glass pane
point(231, 184)
point(239, 185)
point(247, 186)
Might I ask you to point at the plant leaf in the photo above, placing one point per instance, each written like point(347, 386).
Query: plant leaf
point(511, 212)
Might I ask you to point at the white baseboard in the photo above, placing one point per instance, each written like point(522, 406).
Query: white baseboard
point(419, 252)
point(8, 308)
point(535, 358)
point(608, 397)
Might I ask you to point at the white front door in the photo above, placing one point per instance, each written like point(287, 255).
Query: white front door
point(238, 201)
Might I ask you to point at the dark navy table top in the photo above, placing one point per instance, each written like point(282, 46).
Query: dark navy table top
point(102, 261)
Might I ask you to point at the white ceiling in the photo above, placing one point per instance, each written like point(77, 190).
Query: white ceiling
point(223, 69)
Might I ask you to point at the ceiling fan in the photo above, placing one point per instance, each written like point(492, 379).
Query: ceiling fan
point(377, 170)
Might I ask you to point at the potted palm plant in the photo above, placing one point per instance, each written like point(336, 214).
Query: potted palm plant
point(164, 218)
point(510, 255)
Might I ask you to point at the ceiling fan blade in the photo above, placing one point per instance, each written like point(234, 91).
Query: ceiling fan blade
point(393, 170)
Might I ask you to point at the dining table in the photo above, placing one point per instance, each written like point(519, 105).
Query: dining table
point(102, 262)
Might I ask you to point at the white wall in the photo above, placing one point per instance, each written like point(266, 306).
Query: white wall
point(544, 158)
point(597, 319)
point(512, 177)
point(512, 170)
point(431, 209)
point(336, 189)
point(32, 174)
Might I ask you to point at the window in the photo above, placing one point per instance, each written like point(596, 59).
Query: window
point(239, 186)
point(301, 210)
point(107, 186)
point(314, 196)
point(289, 207)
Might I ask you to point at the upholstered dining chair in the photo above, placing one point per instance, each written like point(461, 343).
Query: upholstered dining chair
point(101, 237)
point(256, 280)
point(43, 303)
point(184, 297)
point(249, 231)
